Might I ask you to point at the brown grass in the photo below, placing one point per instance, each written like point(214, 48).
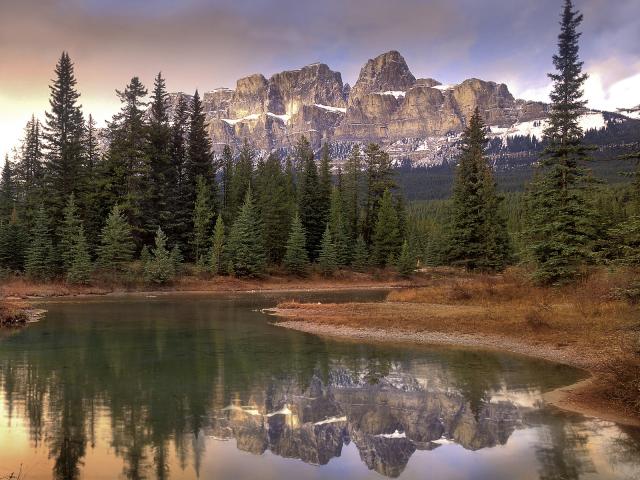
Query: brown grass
point(12, 314)
point(595, 327)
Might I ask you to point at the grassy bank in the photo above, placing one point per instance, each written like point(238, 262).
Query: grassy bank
point(593, 324)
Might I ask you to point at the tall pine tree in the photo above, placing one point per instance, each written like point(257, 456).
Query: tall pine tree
point(199, 155)
point(379, 175)
point(312, 211)
point(40, 262)
point(296, 260)
point(386, 236)
point(116, 242)
point(561, 226)
point(246, 246)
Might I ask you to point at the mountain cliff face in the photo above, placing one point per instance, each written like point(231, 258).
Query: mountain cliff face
point(415, 119)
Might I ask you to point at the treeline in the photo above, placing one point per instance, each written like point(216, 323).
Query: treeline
point(158, 194)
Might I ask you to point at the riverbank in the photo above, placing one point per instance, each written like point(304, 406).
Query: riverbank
point(587, 325)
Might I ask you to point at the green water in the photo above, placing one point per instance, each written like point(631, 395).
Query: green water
point(203, 386)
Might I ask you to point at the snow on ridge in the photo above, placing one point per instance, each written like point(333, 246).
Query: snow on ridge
point(331, 420)
point(283, 411)
point(284, 118)
point(395, 93)
point(444, 88)
point(535, 128)
point(330, 108)
point(395, 434)
point(252, 117)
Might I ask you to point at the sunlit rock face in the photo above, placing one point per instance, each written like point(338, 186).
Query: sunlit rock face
point(388, 419)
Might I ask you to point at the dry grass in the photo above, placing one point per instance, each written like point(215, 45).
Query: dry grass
point(12, 314)
point(588, 321)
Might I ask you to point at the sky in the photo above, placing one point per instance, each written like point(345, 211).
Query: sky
point(206, 44)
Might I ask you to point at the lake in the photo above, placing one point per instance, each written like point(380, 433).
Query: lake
point(204, 386)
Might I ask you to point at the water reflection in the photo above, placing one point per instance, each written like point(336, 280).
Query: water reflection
point(144, 388)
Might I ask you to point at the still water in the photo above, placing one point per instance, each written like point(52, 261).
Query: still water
point(195, 386)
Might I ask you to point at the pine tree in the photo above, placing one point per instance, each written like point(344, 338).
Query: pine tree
point(127, 175)
point(296, 260)
point(40, 255)
point(561, 224)
point(199, 155)
point(324, 181)
point(478, 232)
point(7, 191)
point(327, 259)
point(351, 187)
point(63, 135)
point(310, 198)
point(406, 261)
point(29, 172)
point(275, 207)
point(91, 206)
point(216, 256)
point(202, 215)
point(379, 173)
point(246, 247)
point(160, 266)
point(180, 217)
point(386, 237)
point(69, 232)
point(79, 270)
point(360, 261)
point(13, 244)
point(116, 241)
point(241, 180)
point(156, 202)
point(338, 230)
point(226, 182)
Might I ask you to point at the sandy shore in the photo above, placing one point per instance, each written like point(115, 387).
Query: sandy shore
point(576, 398)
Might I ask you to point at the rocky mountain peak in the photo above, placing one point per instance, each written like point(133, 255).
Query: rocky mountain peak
point(386, 72)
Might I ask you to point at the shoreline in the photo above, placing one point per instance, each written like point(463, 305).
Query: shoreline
point(575, 398)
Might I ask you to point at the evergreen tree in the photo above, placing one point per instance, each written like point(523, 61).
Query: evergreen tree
point(40, 256)
point(360, 261)
point(216, 257)
point(338, 229)
point(180, 217)
point(226, 181)
point(79, 270)
point(160, 266)
point(29, 173)
point(406, 261)
point(127, 175)
point(379, 173)
point(64, 131)
point(69, 232)
point(90, 197)
point(310, 198)
point(327, 259)
point(324, 181)
point(478, 232)
point(7, 191)
point(156, 204)
point(241, 179)
point(199, 156)
point(202, 215)
point(116, 241)
point(351, 187)
point(275, 207)
point(13, 244)
point(561, 224)
point(296, 260)
point(386, 237)
point(246, 247)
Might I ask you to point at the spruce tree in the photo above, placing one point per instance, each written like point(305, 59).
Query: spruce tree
point(226, 181)
point(351, 187)
point(327, 259)
point(406, 261)
point(310, 198)
point(216, 256)
point(324, 181)
point(202, 215)
point(199, 155)
point(7, 191)
point(275, 207)
point(478, 234)
point(360, 260)
point(79, 269)
point(386, 237)
point(246, 247)
point(30, 174)
point(13, 244)
point(180, 217)
point(296, 260)
point(116, 241)
point(90, 203)
point(242, 178)
point(160, 266)
point(338, 229)
point(40, 262)
point(63, 134)
point(69, 232)
point(561, 225)
point(379, 175)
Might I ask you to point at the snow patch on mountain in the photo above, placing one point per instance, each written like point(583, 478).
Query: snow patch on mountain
point(248, 118)
point(536, 128)
point(395, 93)
point(283, 118)
point(330, 108)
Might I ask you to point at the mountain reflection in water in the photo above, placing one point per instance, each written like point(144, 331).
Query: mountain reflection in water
point(187, 387)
